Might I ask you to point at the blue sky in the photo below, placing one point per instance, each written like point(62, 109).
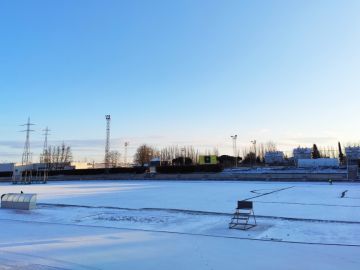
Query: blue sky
point(179, 72)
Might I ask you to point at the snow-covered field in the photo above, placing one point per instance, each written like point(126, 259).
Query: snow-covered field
point(182, 225)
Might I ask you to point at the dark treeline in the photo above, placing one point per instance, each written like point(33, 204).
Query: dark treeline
point(254, 155)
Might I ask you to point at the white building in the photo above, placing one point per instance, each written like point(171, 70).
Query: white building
point(7, 167)
point(301, 153)
point(274, 157)
point(353, 153)
point(318, 163)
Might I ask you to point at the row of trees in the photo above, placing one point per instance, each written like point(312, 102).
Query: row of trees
point(56, 157)
point(256, 153)
point(252, 155)
point(168, 155)
point(328, 152)
point(178, 155)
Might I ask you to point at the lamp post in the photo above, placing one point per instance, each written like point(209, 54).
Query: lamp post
point(254, 143)
point(234, 138)
point(183, 150)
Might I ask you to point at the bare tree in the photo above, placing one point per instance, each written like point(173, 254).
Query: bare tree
point(144, 154)
point(216, 151)
point(169, 153)
point(260, 152)
point(271, 146)
point(57, 156)
point(114, 158)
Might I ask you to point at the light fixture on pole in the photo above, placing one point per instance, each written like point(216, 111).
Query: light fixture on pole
point(234, 138)
point(183, 150)
point(254, 143)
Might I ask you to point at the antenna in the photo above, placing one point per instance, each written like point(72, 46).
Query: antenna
point(107, 145)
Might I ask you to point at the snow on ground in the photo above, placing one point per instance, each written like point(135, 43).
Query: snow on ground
point(300, 200)
point(178, 225)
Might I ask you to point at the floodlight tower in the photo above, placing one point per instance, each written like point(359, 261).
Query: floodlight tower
point(26, 156)
point(234, 138)
point(107, 145)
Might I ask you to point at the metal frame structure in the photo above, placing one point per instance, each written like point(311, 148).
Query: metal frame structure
point(25, 175)
point(242, 216)
point(18, 201)
point(43, 174)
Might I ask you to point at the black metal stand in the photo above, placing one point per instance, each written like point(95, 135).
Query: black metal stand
point(241, 219)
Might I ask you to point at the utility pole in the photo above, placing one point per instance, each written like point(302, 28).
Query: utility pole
point(26, 156)
point(234, 138)
point(107, 145)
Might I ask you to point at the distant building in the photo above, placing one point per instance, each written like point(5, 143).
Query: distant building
point(274, 157)
point(43, 166)
point(353, 162)
point(205, 160)
point(352, 153)
point(7, 167)
point(79, 165)
point(301, 153)
point(318, 163)
point(155, 162)
point(31, 167)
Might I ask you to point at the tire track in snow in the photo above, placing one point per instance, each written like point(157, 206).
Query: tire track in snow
point(197, 212)
point(266, 193)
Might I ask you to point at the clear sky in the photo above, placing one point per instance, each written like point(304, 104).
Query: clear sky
point(179, 72)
